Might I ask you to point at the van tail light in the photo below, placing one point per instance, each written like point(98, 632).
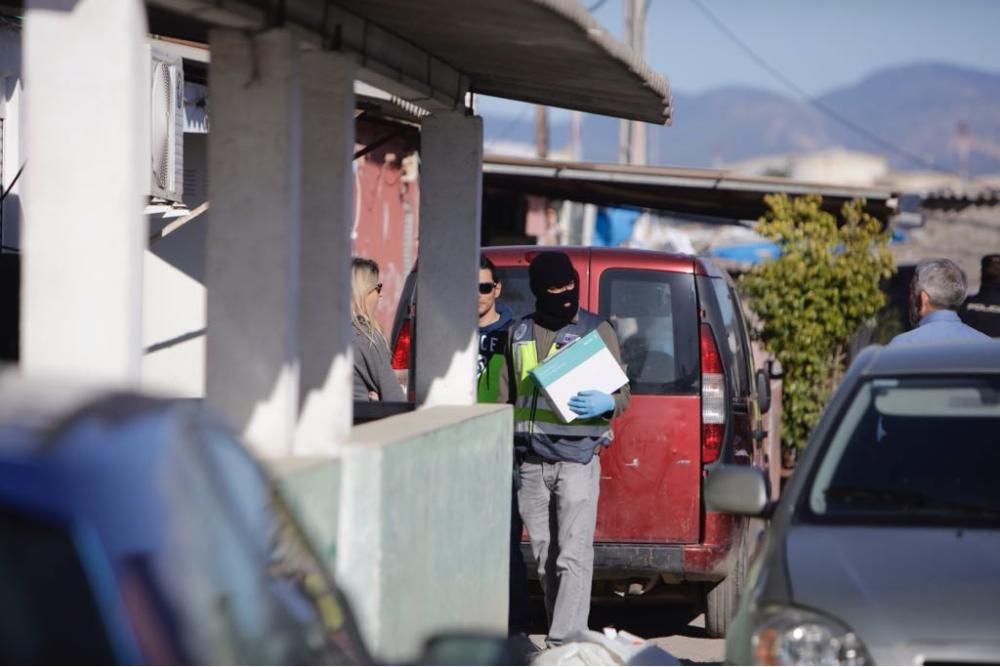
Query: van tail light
point(401, 353)
point(713, 397)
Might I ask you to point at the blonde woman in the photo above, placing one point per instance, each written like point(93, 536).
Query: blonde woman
point(374, 379)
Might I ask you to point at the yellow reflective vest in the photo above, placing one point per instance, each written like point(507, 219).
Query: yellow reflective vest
point(537, 428)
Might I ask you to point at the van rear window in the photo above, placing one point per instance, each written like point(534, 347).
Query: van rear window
point(656, 318)
point(516, 293)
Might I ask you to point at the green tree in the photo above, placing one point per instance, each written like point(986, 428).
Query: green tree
point(814, 297)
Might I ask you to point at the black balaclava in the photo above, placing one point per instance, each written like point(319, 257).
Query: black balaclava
point(553, 269)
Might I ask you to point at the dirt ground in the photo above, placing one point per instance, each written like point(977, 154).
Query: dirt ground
point(678, 630)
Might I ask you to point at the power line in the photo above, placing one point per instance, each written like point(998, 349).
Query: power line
point(597, 5)
point(819, 106)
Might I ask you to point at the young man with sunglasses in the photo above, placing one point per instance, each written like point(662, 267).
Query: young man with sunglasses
point(494, 329)
point(494, 320)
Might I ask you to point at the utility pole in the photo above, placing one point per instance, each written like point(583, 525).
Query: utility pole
point(963, 145)
point(541, 130)
point(632, 134)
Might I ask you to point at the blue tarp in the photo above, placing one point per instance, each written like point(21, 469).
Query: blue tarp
point(613, 226)
point(752, 253)
point(746, 252)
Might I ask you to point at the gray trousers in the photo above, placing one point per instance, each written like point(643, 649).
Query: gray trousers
point(559, 508)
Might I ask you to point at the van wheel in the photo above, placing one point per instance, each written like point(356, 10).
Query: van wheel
point(722, 600)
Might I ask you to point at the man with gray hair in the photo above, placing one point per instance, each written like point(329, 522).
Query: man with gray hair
point(936, 293)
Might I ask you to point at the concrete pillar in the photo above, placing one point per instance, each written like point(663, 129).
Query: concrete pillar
point(83, 230)
point(451, 172)
point(325, 389)
point(252, 271)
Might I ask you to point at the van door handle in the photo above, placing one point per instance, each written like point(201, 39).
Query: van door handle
point(632, 464)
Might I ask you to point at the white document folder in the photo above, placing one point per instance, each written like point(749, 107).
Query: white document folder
point(586, 363)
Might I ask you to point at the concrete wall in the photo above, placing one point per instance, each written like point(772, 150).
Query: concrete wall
point(422, 523)
point(312, 487)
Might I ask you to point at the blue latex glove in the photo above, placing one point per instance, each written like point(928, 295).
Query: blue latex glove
point(591, 403)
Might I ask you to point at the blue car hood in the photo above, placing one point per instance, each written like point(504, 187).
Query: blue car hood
point(898, 586)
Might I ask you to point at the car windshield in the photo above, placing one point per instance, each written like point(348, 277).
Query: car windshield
point(914, 451)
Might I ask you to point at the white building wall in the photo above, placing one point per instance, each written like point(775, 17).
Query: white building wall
point(81, 289)
point(451, 174)
point(839, 166)
point(252, 270)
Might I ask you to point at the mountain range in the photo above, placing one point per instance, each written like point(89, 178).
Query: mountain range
point(921, 117)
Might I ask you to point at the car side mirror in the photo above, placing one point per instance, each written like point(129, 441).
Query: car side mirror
point(738, 490)
point(763, 390)
point(456, 648)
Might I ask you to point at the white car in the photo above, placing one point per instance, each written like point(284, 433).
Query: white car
point(885, 546)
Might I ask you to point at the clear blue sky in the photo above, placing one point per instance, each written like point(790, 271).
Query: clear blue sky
point(820, 45)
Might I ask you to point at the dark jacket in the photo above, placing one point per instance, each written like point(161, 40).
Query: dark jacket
point(372, 370)
point(982, 311)
point(492, 345)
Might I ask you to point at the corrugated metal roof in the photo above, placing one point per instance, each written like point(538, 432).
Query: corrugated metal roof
point(955, 200)
point(544, 51)
point(707, 192)
point(549, 52)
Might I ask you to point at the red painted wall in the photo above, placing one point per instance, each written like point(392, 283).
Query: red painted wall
point(386, 211)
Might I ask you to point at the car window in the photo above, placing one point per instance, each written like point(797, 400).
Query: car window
point(743, 337)
point(48, 611)
point(654, 315)
point(733, 337)
point(913, 450)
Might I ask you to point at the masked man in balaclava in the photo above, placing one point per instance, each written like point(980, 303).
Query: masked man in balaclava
point(558, 462)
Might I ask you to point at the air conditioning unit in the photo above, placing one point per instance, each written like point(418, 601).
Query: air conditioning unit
point(166, 124)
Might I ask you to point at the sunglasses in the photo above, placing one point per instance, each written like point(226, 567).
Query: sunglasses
point(486, 288)
point(378, 288)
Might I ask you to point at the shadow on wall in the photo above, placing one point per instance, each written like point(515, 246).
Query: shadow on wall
point(10, 307)
point(184, 249)
point(10, 278)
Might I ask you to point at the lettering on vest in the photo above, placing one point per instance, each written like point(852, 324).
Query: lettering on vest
point(494, 342)
point(983, 308)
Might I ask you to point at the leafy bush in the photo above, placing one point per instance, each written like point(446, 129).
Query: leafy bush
point(814, 297)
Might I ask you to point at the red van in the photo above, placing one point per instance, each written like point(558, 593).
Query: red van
point(696, 403)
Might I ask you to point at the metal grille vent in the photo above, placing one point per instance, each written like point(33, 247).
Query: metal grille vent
point(161, 126)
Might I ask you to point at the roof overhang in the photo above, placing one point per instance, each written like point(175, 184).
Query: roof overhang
point(695, 192)
point(432, 52)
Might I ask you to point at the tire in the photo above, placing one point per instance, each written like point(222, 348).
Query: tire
point(723, 599)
